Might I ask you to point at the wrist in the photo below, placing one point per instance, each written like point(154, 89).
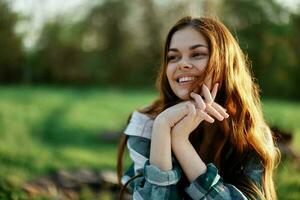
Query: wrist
point(179, 141)
point(160, 149)
point(179, 137)
point(160, 121)
point(161, 131)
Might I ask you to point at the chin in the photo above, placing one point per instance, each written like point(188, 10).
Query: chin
point(183, 97)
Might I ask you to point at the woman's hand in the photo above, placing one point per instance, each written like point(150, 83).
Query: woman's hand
point(212, 108)
point(160, 149)
point(172, 115)
point(199, 111)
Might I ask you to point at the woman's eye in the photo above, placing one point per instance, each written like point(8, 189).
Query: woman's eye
point(198, 55)
point(172, 58)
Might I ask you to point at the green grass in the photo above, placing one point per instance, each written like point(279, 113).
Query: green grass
point(46, 128)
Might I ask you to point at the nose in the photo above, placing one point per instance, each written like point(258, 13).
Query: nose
point(184, 65)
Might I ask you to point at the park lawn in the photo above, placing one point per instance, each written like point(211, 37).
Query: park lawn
point(49, 128)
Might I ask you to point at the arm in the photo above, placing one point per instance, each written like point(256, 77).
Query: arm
point(152, 159)
point(153, 182)
point(211, 186)
point(185, 153)
point(204, 180)
point(160, 151)
point(188, 118)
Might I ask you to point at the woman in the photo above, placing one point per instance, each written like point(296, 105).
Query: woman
point(205, 136)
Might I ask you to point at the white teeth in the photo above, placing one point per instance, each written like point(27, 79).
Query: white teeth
point(187, 78)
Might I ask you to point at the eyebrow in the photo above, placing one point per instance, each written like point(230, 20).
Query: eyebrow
point(191, 48)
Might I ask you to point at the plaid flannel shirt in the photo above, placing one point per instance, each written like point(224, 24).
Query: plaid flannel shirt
point(162, 185)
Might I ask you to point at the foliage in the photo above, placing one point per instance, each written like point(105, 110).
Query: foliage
point(267, 32)
point(119, 43)
point(11, 54)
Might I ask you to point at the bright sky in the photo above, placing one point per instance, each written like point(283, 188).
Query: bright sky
point(43, 10)
point(40, 11)
point(53, 7)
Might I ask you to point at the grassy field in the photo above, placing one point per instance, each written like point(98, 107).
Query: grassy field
point(48, 128)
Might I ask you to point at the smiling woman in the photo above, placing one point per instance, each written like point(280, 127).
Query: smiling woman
point(205, 136)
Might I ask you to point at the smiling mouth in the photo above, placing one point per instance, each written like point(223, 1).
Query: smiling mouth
point(186, 79)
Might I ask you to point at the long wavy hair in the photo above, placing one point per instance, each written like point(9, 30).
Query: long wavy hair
point(245, 130)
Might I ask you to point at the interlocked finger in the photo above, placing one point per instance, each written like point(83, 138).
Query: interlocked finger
point(220, 109)
point(205, 116)
point(200, 103)
point(212, 111)
point(214, 91)
point(207, 95)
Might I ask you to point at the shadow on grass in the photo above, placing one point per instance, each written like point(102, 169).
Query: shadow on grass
point(70, 145)
point(53, 132)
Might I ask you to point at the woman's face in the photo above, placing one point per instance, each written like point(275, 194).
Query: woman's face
point(187, 59)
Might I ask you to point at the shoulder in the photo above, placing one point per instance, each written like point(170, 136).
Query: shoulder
point(252, 161)
point(247, 161)
point(253, 167)
point(140, 124)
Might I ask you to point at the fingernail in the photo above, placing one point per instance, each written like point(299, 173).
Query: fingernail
point(220, 118)
point(226, 115)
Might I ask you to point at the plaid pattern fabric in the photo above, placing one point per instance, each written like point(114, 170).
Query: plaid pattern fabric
point(162, 185)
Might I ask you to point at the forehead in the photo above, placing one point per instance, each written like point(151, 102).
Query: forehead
point(187, 37)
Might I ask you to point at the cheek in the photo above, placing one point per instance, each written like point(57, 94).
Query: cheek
point(169, 72)
point(208, 81)
point(201, 65)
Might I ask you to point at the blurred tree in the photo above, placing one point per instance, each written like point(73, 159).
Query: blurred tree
point(89, 51)
point(127, 41)
point(295, 44)
point(57, 58)
point(11, 54)
point(119, 42)
point(264, 33)
point(105, 28)
point(146, 56)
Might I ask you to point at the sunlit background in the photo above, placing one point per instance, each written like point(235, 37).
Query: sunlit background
point(72, 71)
